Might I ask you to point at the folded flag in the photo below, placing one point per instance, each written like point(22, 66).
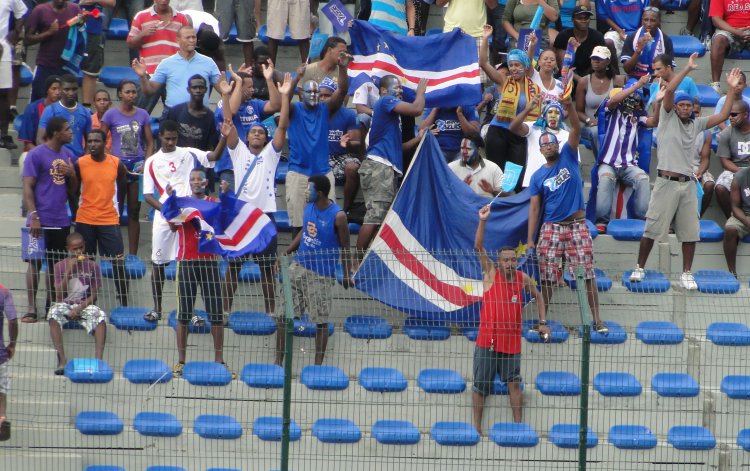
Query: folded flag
point(448, 60)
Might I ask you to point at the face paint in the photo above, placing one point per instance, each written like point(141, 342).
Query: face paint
point(394, 89)
point(312, 193)
point(553, 118)
point(630, 104)
point(469, 151)
point(310, 94)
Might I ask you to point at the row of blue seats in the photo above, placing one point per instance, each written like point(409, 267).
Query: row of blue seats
point(382, 380)
point(398, 432)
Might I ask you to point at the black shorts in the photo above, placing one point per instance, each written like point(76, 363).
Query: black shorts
point(488, 363)
point(55, 245)
point(104, 240)
point(191, 274)
point(93, 61)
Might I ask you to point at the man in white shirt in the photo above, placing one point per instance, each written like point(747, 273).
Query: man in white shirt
point(483, 176)
point(18, 9)
point(170, 166)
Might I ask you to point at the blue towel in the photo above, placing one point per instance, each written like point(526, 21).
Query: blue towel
point(75, 50)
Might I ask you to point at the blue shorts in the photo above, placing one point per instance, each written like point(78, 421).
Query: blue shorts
point(133, 166)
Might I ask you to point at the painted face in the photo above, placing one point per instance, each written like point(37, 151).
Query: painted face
point(312, 193)
point(553, 118)
point(469, 151)
point(549, 146)
point(631, 104)
point(310, 94)
point(394, 89)
point(516, 69)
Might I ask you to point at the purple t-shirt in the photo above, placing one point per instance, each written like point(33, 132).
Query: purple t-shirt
point(39, 21)
point(51, 190)
point(84, 276)
point(7, 307)
point(128, 142)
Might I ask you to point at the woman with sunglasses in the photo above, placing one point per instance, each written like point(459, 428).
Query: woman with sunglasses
point(643, 45)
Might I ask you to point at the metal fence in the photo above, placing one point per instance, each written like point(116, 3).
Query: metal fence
point(666, 388)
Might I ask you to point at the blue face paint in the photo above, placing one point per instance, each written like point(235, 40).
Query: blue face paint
point(312, 193)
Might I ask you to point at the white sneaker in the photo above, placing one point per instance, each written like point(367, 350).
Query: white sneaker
point(716, 86)
point(637, 275)
point(688, 282)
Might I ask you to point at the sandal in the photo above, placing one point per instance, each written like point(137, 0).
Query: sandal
point(197, 321)
point(29, 318)
point(177, 369)
point(4, 429)
point(234, 375)
point(152, 316)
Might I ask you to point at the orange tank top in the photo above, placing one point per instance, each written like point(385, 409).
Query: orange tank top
point(98, 205)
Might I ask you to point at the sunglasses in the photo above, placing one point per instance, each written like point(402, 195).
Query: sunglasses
point(652, 9)
point(734, 114)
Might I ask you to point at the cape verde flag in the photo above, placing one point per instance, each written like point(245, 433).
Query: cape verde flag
point(448, 60)
point(423, 261)
point(231, 228)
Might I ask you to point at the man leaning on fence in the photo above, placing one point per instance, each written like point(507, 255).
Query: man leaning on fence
point(498, 345)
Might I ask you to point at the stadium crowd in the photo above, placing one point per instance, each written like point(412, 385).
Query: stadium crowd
point(87, 150)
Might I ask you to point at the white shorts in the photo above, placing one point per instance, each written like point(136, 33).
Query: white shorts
point(296, 195)
point(295, 13)
point(164, 244)
point(6, 73)
point(614, 36)
point(725, 180)
point(4, 378)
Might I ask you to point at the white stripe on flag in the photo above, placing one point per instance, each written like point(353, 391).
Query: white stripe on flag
point(382, 57)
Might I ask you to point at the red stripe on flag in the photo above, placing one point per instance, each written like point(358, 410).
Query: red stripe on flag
point(398, 71)
point(451, 293)
point(239, 236)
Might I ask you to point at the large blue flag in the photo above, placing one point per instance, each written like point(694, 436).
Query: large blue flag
point(230, 228)
point(422, 261)
point(448, 60)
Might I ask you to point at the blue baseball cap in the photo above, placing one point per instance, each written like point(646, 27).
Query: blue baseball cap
point(682, 96)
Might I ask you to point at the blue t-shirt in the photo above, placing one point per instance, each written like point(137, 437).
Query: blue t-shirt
point(343, 121)
point(560, 185)
point(308, 139)
point(30, 121)
point(318, 246)
point(687, 85)
point(249, 114)
point(447, 123)
point(79, 120)
point(385, 132)
point(93, 25)
point(175, 72)
point(625, 13)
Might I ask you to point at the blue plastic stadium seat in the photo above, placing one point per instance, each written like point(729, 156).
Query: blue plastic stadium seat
point(603, 282)
point(736, 387)
point(170, 271)
point(324, 378)
point(99, 467)
point(105, 267)
point(659, 333)
point(684, 46)
point(470, 333)
point(729, 333)
point(263, 376)
point(558, 383)
point(221, 427)
point(395, 432)
point(282, 221)
point(281, 170)
point(88, 370)
point(710, 231)
point(336, 431)
point(131, 318)
point(269, 429)
point(27, 76)
point(558, 332)
point(206, 373)
point(157, 424)
point(193, 329)
point(499, 388)
point(675, 385)
point(441, 381)
point(592, 229)
point(691, 438)
point(743, 54)
point(135, 269)
point(304, 328)
point(454, 434)
point(626, 229)
point(566, 436)
point(287, 41)
point(232, 36)
point(632, 437)
point(17, 122)
point(118, 29)
point(707, 96)
point(617, 384)
point(249, 273)
point(165, 468)
point(354, 228)
point(147, 371)
point(112, 75)
point(716, 282)
point(73, 325)
point(743, 439)
point(251, 323)
point(382, 379)
point(98, 423)
point(367, 327)
point(616, 334)
point(653, 282)
point(514, 435)
point(426, 329)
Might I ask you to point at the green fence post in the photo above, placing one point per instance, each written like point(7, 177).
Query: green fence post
point(288, 348)
point(583, 423)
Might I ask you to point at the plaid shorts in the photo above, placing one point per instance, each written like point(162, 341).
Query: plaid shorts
point(91, 316)
point(573, 240)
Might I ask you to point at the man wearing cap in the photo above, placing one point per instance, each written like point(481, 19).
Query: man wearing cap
point(624, 117)
point(588, 38)
point(674, 197)
point(622, 16)
point(558, 186)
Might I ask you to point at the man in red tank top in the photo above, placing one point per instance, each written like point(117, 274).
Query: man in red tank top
point(498, 345)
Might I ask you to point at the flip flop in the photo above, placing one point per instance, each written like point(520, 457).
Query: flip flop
point(4, 430)
point(29, 318)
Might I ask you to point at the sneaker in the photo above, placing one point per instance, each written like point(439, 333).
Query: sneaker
point(601, 328)
point(688, 282)
point(601, 228)
point(637, 275)
point(152, 316)
point(197, 321)
point(177, 369)
point(716, 86)
point(8, 143)
point(685, 32)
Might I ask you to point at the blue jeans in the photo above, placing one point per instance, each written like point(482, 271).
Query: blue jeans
point(633, 177)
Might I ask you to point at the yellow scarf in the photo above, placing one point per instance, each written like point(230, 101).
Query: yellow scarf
point(511, 94)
